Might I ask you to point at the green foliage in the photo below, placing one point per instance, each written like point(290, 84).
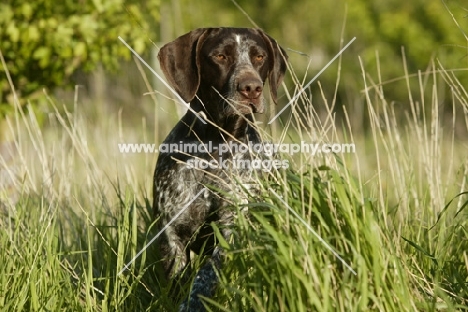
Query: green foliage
point(285, 266)
point(58, 255)
point(44, 42)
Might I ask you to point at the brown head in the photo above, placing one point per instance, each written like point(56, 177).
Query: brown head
point(225, 68)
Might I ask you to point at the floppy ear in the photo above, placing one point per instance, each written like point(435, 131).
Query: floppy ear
point(277, 59)
point(179, 61)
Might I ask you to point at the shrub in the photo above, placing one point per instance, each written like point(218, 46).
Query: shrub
point(44, 42)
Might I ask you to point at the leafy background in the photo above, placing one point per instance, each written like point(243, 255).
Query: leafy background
point(58, 45)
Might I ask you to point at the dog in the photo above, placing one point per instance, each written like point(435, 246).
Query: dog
point(221, 72)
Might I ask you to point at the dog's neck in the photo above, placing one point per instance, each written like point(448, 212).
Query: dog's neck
point(234, 127)
point(239, 127)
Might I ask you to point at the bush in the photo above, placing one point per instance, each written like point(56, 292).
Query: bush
point(44, 42)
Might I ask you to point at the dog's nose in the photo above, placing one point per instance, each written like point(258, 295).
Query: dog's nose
point(250, 88)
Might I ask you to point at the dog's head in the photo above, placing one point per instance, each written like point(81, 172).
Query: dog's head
point(225, 67)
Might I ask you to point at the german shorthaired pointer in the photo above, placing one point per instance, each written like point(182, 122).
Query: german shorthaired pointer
point(221, 72)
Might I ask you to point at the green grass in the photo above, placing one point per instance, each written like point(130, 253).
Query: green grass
point(76, 211)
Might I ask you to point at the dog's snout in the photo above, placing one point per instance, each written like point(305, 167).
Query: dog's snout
point(250, 88)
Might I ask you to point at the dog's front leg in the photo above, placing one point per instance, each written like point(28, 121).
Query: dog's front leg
point(206, 280)
point(176, 257)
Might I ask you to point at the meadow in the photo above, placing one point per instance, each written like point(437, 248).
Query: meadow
point(75, 210)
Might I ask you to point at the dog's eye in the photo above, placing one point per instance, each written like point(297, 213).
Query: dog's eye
point(259, 57)
point(220, 57)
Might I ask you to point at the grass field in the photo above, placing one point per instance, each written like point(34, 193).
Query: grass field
point(75, 211)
